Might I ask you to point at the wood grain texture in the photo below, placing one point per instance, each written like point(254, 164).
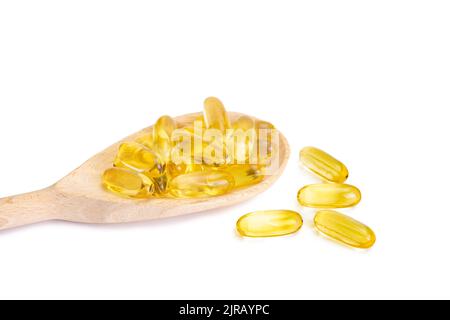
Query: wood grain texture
point(80, 196)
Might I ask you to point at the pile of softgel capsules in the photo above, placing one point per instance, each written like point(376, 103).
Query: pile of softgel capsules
point(332, 193)
point(207, 157)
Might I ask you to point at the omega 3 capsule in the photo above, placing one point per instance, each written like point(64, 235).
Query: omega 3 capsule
point(216, 116)
point(329, 195)
point(269, 223)
point(125, 182)
point(201, 184)
point(242, 140)
point(344, 229)
point(245, 174)
point(267, 148)
point(146, 140)
point(244, 123)
point(324, 165)
point(137, 157)
point(162, 136)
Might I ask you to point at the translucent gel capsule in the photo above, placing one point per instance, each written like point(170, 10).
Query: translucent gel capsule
point(147, 180)
point(202, 150)
point(174, 170)
point(201, 184)
point(329, 195)
point(260, 124)
point(201, 120)
point(269, 223)
point(241, 141)
point(324, 165)
point(182, 150)
point(266, 148)
point(162, 136)
point(245, 175)
point(124, 182)
point(198, 123)
point(244, 123)
point(216, 116)
point(213, 153)
point(146, 140)
point(344, 229)
point(137, 157)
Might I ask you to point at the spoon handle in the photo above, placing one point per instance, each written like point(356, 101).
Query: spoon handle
point(28, 208)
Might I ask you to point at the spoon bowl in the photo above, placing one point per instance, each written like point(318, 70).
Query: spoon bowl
point(80, 196)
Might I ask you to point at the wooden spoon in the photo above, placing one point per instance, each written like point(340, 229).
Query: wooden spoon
point(80, 196)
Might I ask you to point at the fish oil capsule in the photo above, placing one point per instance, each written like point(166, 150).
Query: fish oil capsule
point(244, 123)
point(199, 120)
point(202, 148)
point(216, 116)
point(329, 195)
point(266, 146)
point(124, 182)
point(174, 170)
point(214, 151)
point(198, 123)
point(324, 165)
point(136, 157)
point(202, 184)
point(344, 229)
point(147, 180)
point(146, 140)
point(245, 174)
point(190, 124)
point(162, 136)
point(241, 141)
point(269, 223)
point(260, 124)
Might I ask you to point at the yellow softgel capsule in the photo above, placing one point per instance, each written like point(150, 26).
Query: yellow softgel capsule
point(213, 153)
point(266, 147)
point(146, 140)
point(201, 184)
point(174, 170)
point(199, 123)
point(244, 123)
point(162, 136)
point(260, 124)
point(241, 141)
point(329, 195)
point(269, 223)
point(216, 116)
point(324, 165)
point(124, 182)
point(245, 175)
point(137, 157)
point(344, 229)
point(201, 148)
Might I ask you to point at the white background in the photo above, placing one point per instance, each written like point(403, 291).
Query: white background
point(368, 81)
